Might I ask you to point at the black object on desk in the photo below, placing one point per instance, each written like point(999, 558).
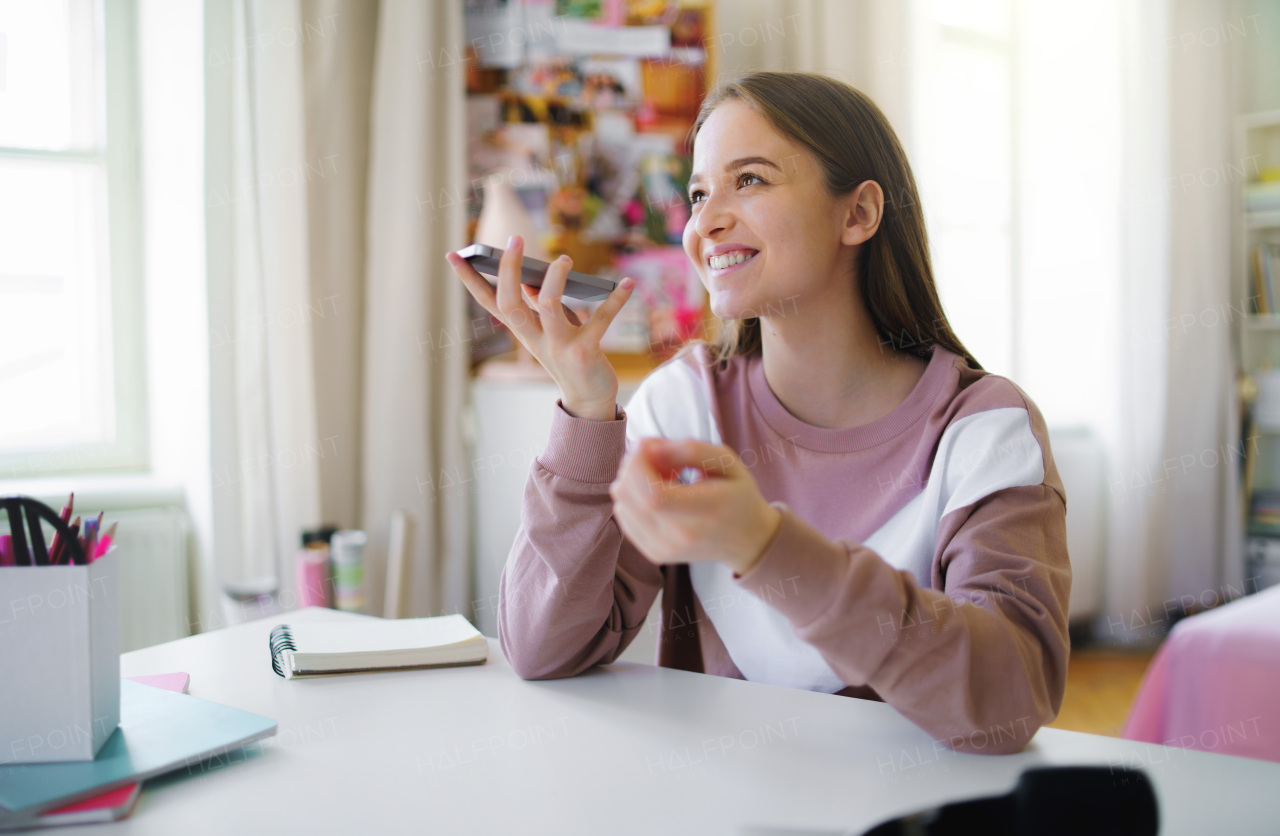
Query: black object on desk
point(1047, 801)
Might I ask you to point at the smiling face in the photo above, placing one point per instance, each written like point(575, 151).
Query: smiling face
point(765, 234)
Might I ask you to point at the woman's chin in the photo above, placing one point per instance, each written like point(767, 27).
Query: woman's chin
point(729, 305)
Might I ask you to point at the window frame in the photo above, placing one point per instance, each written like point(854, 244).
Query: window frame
point(120, 159)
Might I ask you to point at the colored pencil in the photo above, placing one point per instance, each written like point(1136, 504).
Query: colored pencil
point(75, 534)
point(104, 545)
point(56, 546)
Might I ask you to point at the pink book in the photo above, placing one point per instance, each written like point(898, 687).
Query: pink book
point(118, 803)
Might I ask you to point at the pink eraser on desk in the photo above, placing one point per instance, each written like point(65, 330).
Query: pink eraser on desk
point(176, 682)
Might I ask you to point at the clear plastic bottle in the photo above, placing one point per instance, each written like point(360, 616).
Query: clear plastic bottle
point(346, 549)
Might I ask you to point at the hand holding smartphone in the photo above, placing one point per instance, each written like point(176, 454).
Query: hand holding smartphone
point(582, 286)
point(566, 346)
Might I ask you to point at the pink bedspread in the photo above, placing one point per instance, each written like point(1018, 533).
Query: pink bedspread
point(1214, 685)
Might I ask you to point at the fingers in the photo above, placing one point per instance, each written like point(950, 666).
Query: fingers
point(574, 317)
point(647, 480)
point(656, 515)
point(674, 456)
point(604, 315)
point(514, 312)
point(529, 311)
point(640, 532)
point(638, 482)
point(476, 285)
point(551, 307)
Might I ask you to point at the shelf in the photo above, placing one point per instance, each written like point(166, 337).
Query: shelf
point(1257, 139)
point(1261, 119)
point(1262, 220)
point(1262, 322)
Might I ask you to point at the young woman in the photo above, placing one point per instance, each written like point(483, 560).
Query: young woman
point(861, 509)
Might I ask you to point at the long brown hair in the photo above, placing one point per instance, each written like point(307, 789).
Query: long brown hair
point(854, 142)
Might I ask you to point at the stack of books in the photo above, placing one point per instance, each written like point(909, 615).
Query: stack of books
point(1262, 197)
point(1266, 272)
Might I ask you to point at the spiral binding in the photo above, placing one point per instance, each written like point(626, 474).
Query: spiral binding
point(281, 640)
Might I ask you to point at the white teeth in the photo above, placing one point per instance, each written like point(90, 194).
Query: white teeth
point(719, 262)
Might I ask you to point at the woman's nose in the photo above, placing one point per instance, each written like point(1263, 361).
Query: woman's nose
point(712, 217)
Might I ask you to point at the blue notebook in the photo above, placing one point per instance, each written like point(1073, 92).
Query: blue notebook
point(159, 731)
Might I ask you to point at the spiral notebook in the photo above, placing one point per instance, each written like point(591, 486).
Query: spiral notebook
point(317, 649)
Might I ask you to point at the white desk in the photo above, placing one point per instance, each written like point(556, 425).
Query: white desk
point(624, 749)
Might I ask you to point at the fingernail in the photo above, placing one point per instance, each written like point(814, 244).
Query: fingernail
point(628, 283)
point(511, 242)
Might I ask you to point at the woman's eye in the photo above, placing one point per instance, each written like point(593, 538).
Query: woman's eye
point(744, 179)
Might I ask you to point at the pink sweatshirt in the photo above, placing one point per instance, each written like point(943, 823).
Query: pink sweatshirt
point(921, 559)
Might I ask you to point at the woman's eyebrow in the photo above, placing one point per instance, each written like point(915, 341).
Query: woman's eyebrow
point(739, 163)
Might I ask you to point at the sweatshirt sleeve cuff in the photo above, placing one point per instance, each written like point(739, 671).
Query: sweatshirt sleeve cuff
point(585, 450)
point(800, 571)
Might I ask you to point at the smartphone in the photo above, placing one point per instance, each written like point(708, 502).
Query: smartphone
point(582, 286)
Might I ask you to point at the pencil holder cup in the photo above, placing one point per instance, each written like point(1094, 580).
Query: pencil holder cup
point(60, 658)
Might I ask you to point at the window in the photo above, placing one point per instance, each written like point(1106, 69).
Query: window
point(1031, 168)
point(71, 347)
point(966, 158)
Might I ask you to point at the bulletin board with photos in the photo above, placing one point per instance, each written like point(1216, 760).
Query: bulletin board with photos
point(578, 121)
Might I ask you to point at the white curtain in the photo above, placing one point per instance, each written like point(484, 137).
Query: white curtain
point(863, 42)
point(415, 382)
point(1140, 424)
point(1093, 278)
point(338, 46)
point(1203, 532)
point(263, 423)
point(326, 278)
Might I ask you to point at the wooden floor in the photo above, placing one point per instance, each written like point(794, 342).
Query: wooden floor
point(1101, 686)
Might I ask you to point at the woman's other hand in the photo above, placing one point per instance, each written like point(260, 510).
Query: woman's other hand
point(565, 346)
point(721, 516)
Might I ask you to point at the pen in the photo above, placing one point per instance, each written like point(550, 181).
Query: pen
point(75, 535)
point(90, 539)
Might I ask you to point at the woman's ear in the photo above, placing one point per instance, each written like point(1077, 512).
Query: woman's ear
point(866, 208)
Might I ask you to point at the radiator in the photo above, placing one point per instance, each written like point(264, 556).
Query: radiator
point(155, 597)
point(1079, 456)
